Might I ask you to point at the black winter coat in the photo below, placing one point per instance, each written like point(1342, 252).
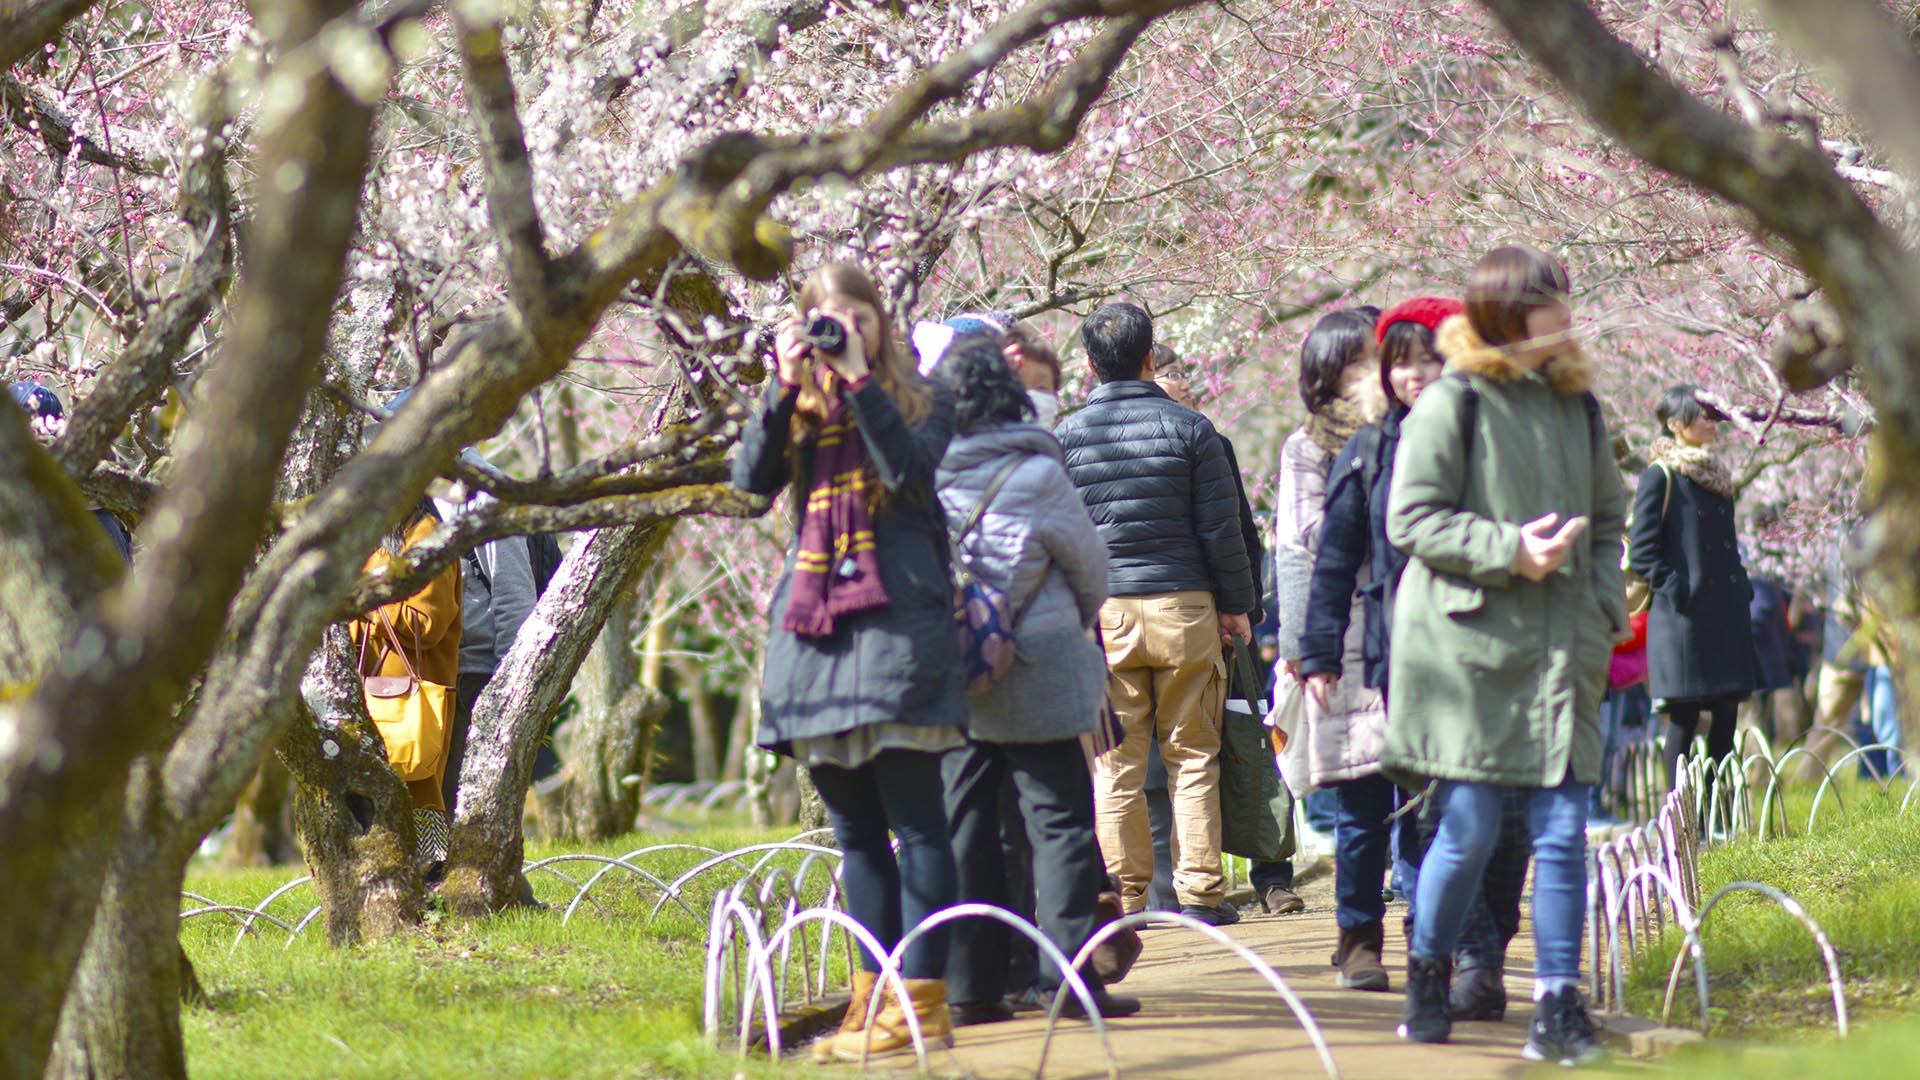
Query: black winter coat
point(1699, 637)
point(1354, 534)
point(899, 663)
point(1249, 528)
point(1156, 481)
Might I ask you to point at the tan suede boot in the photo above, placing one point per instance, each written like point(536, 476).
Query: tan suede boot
point(928, 998)
point(856, 1018)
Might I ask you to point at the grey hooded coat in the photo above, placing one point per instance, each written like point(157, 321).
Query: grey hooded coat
point(1036, 542)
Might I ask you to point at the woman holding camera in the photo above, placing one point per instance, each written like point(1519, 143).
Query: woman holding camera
point(863, 682)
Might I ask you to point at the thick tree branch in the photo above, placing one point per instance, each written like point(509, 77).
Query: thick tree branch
point(493, 521)
point(503, 149)
point(1755, 419)
point(125, 668)
point(1793, 190)
point(26, 26)
point(34, 110)
point(1868, 59)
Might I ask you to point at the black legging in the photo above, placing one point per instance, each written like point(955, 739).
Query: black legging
point(1683, 718)
point(901, 790)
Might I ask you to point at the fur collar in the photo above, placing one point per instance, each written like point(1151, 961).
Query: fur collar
point(1696, 463)
point(1464, 351)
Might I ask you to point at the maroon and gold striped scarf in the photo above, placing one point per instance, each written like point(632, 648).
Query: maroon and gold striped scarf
point(835, 569)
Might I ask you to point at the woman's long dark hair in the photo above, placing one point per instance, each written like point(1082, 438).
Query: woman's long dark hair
point(986, 391)
point(1333, 343)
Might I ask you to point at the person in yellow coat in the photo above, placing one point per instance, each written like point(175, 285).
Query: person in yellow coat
point(428, 627)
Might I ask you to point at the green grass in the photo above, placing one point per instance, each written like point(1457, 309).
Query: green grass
point(1858, 875)
point(611, 994)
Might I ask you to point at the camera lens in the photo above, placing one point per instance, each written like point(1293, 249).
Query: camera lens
point(826, 335)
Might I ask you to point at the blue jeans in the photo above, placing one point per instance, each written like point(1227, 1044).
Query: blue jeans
point(1452, 871)
point(1323, 810)
point(1363, 839)
point(1883, 724)
point(899, 790)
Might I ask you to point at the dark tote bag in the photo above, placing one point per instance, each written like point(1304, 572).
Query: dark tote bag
point(1256, 812)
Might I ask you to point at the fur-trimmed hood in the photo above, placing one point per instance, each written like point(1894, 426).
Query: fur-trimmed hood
point(1464, 350)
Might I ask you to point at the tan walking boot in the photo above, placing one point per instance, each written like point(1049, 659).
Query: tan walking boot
point(928, 997)
point(855, 1021)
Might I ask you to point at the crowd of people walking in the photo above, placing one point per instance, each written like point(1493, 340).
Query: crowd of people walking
point(1462, 608)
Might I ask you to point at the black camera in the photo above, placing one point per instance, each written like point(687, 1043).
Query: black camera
point(825, 335)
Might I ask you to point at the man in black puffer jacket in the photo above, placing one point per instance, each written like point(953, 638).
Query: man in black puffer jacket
point(1163, 496)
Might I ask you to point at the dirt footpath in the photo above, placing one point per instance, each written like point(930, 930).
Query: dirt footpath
point(1207, 1014)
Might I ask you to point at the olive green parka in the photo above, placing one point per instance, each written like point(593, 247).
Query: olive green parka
point(1496, 679)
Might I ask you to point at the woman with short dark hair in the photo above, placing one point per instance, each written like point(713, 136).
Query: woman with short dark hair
point(1020, 527)
point(1700, 653)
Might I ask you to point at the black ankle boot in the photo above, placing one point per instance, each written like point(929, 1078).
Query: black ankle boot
point(1479, 993)
point(1425, 1018)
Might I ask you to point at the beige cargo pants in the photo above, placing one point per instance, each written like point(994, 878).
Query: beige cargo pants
point(1167, 680)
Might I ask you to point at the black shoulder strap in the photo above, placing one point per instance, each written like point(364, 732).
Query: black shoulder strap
point(1596, 420)
point(1469, 407)
point(474, 564)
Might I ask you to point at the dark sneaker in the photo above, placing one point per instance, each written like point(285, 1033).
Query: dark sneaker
point(1358, 958)
point(1031, 999)
point(1562, 1032)
point(1224, 915)
point(1281, 901)
point(969, 1013)
point(1111, 1006)
point(1425, 1018)
point(1479, 993)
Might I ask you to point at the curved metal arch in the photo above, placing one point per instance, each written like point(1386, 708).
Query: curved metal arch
point(1798, 741)
point(720, 791)
point(264, 904)
point(1213, 933)
point(729, 911)
point(1763, 830)
point(889, 972)
point(1688, 927)
point(301, 926)
point(724, 857)
point(1069, 972)
point(669, 893)
point(238, 913)
point(1906, 759)
point(1793, 908)
point(1779, 776)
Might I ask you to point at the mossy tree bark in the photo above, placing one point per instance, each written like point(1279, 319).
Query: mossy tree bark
point(513, 713)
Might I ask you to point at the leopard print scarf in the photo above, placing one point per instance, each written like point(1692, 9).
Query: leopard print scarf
point(1696, 463)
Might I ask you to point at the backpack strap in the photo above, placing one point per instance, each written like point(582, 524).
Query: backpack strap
point(1666, 499)
point(980, 508)
point(1469, 407)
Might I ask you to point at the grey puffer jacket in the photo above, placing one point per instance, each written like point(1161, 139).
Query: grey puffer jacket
point(1036, 542)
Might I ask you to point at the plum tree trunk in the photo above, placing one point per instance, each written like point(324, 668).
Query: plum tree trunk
point(354, 816)
point(122, 1013)
point(513, 714)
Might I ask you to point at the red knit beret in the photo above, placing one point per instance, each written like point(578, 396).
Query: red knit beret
point(1428, 311)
